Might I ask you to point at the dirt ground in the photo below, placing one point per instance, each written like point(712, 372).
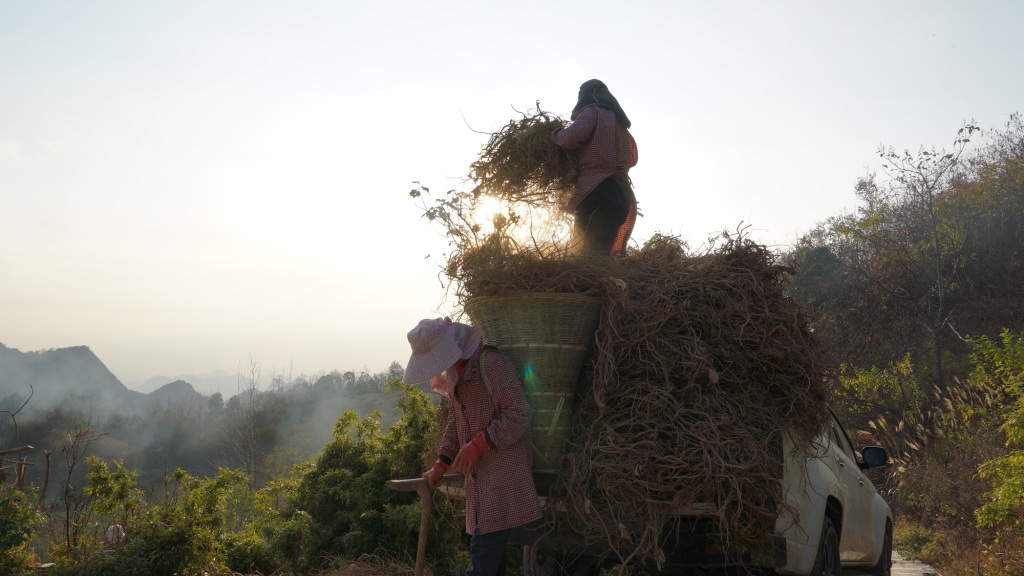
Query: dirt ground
point(901, 567)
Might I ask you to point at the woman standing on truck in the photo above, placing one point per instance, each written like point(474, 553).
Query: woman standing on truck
point(486, 437)
point(603, 202)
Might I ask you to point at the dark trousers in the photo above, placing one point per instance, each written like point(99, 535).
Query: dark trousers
point(599, 216)
point(487, 554)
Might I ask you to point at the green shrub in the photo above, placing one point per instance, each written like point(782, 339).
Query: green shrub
point(911, 538)
point(249, 553)
point(182, 536)
point(333, 508)
point(863, 395)
point(114, 493)
point(1002, 365)
point(960, 465)
point(351, 511)
point(19, 520)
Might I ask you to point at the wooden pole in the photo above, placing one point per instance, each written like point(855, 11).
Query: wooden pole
point(421, 487)
point(14, 450)
point(19, 484)
point(46, 477)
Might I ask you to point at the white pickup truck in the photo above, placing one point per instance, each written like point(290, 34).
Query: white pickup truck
point(841, 520)
point(835, 520)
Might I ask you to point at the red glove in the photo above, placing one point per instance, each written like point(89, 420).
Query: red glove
point(433, 475)
point(466, 458)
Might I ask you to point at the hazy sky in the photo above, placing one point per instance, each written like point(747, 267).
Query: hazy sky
point(187, 185)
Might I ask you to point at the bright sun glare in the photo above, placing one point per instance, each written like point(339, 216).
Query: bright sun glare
point(487, 208)
point(537, 226)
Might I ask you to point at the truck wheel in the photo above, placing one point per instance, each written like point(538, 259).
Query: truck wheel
point(538, 563)
point(884, 566)
point(548, 563)
point(827, 561)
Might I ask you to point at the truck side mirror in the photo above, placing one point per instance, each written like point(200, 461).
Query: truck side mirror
point(874, 456)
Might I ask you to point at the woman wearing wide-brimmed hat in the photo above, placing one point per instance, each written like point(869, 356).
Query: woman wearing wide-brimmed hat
point(486, 436)
point(603, 203)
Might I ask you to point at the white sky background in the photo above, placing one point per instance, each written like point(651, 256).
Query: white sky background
point(185, 185)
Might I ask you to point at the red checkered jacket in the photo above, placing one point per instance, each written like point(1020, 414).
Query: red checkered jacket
point(500, 493)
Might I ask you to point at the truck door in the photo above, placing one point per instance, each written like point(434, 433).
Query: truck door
point(855, 539)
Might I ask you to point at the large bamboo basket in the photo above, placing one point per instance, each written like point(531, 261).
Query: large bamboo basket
point(548, 336)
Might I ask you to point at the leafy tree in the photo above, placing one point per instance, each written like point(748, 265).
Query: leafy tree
point(940, 239)
point(934, 251)
point(835, 296)
point(996, 272)
point(329, 385)
point(395, 370)
point(215, 404)
point(114, 492)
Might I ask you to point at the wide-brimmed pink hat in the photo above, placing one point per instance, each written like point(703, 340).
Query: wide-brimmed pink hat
point(434, 350)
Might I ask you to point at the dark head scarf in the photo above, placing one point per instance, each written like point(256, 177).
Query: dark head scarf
point(595, 92)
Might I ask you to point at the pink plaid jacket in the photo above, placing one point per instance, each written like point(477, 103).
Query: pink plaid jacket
point(499, 492)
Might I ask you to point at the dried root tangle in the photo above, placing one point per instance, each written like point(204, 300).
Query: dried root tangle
point(700, 365)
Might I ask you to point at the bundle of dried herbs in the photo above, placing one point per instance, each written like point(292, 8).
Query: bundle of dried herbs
point(520, 163)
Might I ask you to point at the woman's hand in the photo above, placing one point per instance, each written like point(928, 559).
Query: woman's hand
point(466, 458)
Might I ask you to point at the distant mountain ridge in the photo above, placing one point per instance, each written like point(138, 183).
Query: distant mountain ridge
point(73, 377)
point(176, 390)
point(205, 383)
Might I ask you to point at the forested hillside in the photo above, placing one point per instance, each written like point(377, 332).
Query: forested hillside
point(265, 427)
point(919, 294)
point(65, 375)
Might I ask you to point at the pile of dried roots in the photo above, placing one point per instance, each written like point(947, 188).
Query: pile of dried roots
point(499, 266)
point(699, 366)
point(521, 163)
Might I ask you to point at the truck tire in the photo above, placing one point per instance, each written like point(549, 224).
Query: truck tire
point(884, 566)
point(548, 563)
point(826, 563)
point(537, 563)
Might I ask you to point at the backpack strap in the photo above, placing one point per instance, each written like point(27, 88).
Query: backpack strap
point(490, 392)
point(483, 371)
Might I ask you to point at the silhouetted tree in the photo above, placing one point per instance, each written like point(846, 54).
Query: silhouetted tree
point(241, 425)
